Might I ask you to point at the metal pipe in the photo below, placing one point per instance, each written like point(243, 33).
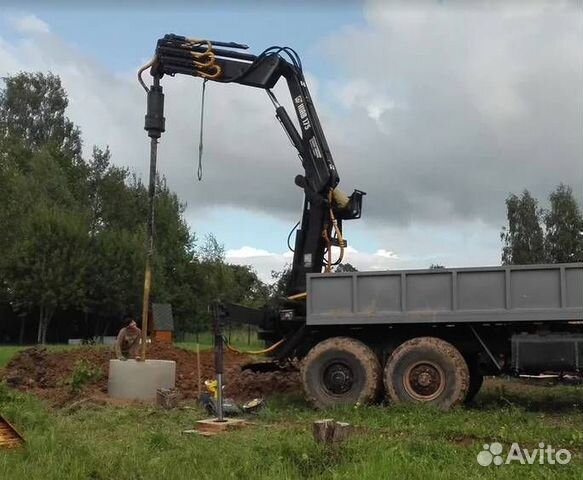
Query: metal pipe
point(289, 128)
point(218, 327)
point(155, 126)
point(150, 249)
point(184, 52)
point(486, 349)
point(181, 38)
point(220, 414)
point(273, 98)
point(198, 369)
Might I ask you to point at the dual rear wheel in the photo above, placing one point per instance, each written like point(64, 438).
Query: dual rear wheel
point(343, 370)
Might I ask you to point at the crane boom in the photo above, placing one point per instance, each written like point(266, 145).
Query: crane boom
point(325, 206)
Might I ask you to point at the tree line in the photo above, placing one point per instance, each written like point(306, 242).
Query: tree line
point(73, 228)
point(538, 235)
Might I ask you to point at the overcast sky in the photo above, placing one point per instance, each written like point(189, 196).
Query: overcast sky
point(437, 110)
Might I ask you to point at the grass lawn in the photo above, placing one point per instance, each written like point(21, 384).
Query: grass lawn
point(397, 442)
point(8, 351)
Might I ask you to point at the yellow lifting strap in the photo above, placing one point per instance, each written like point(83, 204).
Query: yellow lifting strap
point(203, 62)
point(298, 296)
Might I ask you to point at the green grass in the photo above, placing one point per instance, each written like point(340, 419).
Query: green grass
point(409, 442)
point(8, 351)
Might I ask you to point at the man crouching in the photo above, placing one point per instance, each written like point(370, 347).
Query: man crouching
point(127, 344)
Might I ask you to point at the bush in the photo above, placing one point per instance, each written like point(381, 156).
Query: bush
point(83, 374)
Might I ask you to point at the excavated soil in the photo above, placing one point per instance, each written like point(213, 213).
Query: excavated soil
point(46, 374)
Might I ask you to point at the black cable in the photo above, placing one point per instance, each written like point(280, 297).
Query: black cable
point(274, 50)
point(200, 144)
point(294, 57)
point(290, 234)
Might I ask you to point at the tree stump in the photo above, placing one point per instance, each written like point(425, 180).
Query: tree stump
point(342, 431)
point(329, 431)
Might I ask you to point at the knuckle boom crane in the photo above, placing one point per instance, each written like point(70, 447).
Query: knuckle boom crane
point(325, 205)
point(425, 336)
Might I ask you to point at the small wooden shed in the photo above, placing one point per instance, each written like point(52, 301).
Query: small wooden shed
point(162, 323)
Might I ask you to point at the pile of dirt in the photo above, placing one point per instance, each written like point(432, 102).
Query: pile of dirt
point(46, 373)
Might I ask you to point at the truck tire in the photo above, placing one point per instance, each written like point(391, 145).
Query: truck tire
point(427, 370)
point(341, 371)
point(476, 381)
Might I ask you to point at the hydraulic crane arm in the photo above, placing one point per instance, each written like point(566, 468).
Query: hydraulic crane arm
point(324, 205)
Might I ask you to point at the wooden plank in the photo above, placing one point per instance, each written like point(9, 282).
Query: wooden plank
point(211, 425)
point(9, 436)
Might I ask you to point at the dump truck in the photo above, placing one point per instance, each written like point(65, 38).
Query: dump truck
point(427, 336)
point(435, 333)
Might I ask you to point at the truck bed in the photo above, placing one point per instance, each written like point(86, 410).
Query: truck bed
point(522, 293)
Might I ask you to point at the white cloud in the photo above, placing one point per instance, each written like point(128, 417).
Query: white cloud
point(385, 253)
point(265, 262)
point(360, 93)
point(486, 100)
point(30, 24)
point(246, 252)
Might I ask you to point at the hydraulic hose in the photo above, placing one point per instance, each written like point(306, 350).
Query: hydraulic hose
point(254, 352)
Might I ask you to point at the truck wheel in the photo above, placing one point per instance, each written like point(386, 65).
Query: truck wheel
point(476, 381)
point(341, 371)
point(427, 370)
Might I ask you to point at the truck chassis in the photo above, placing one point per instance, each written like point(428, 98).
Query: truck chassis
point(431, 335)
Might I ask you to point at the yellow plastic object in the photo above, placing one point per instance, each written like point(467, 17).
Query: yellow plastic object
point(212, 387)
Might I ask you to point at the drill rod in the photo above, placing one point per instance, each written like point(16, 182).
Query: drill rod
point(150, 250)
point(155, 126)
point(219, 359)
